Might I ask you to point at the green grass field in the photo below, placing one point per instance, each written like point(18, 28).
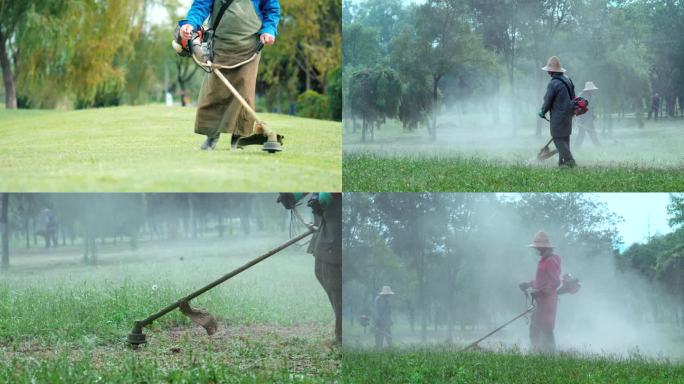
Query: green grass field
point(443, 365)
point(368, 172)
point(63, 321)
point(463, 159)
point(153, 148)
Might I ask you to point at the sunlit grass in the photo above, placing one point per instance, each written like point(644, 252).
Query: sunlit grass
point(153, 148)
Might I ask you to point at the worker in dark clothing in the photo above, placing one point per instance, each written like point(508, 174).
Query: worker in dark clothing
point(558, 100)
point(325, 245)
point(655, 107)
point(382, 317)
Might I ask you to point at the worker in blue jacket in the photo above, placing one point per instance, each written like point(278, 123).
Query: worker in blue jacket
point(243, 25)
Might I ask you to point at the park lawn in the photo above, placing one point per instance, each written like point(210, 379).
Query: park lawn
point(369, 172)
point(471, 156)
point(444, 365)
point(153, 148)
point(64, 321)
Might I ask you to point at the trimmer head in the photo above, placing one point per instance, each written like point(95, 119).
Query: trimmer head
point(136, 337)
point(272, 147)
point(261, 139)
point(545, 153)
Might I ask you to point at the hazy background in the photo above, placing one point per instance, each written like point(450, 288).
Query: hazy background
point(464, 76)
point(455, 261)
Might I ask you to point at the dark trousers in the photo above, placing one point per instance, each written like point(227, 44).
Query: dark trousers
point(383, 332)
point(655, 111)
point(543, 341)
point(563, 146)
point(330, 277)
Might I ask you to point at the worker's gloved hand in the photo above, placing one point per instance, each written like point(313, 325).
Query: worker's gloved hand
point(535, 294)
point(288, 200)
point(315, 207)
point(542, 115)
point(524, 286)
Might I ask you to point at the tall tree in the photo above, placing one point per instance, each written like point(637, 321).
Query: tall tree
point(439, 43)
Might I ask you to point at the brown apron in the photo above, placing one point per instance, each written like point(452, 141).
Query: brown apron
point(235, 41)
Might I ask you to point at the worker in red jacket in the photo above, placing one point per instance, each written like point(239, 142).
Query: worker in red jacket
point(544, 293)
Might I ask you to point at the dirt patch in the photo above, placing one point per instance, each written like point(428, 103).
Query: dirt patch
point(298, 331)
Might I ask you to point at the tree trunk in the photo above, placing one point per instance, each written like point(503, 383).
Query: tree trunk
point(191, 217)
point(363, 130)
point(27, 232)
point(420, 270)
point(7, 75)
point(435, 96)
point(5, 230)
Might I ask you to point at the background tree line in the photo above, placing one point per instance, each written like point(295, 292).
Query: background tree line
point(454, 260)
point(93, 219)
point(409, 61)
point(91, 53)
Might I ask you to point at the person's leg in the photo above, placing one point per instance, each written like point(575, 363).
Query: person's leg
point(388, 335)
point(548, 342)
point(593, 136)
point(329, 275)
point(378, 338)
point(211, 105)
point(237, 121)
point(534, 334)
point(580, 136)
point(564, 155)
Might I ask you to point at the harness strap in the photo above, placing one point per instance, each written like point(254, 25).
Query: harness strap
point(223, 10)
point(570, 93)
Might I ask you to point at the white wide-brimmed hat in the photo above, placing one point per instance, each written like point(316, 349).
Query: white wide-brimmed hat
point(553, 65)
point(386, 290)
point(589, 86)
point(541, 240)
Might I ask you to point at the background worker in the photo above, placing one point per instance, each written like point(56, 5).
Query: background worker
point(382, 317)
point(586, 121)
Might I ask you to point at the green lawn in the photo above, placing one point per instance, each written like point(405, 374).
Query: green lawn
point(471, 157)
point(448, 366)
point(367, 172)
point(63, 321)
point(153, 148)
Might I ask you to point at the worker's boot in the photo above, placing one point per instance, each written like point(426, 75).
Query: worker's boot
point(210, 143)
point(256, 139)
point(568, 164)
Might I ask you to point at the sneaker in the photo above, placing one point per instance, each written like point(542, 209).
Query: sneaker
point(210, 143)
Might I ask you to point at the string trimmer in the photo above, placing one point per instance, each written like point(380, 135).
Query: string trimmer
point(271, 141)
point(199, 315)
point(546, 152)
point(569, 285)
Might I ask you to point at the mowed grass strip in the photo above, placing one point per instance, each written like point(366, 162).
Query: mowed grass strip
point(368, 172)
point(235, 355)
point(447, 366)
point(62, 321)
point(153, 148)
